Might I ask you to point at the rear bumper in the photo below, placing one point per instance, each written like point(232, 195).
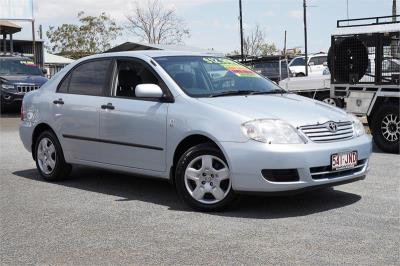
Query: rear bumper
point(246, 161)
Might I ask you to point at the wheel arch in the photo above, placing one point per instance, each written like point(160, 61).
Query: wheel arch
point(188, 142)
point(41, 127)
point(379, 102)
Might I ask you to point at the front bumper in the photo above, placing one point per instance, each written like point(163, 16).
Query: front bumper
point(246, 161)
point(11, 98)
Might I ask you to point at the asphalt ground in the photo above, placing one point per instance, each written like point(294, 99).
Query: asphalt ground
point(100, 218)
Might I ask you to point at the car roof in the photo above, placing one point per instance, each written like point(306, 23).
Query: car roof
point(160, 53)
point(14, 57)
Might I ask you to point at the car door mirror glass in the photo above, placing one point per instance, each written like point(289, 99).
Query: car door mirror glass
point(148, 91)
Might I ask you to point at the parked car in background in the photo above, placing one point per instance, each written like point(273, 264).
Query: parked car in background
point(18, 75)
point(316, 65)
point(211, 126)
point(274, 68)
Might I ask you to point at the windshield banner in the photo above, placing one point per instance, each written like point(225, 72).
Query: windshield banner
point(231, 66)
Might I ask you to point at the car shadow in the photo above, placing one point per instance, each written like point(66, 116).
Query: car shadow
point(132, 188)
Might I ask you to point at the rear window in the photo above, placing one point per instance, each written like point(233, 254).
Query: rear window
point(87, 79)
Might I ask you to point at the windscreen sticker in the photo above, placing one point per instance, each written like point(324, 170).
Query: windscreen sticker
point(28, 63)
point(231, 66)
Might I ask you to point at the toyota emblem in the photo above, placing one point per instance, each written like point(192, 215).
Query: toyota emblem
point(332, 126)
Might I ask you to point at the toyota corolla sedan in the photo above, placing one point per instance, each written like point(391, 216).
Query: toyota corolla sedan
point(211, 126)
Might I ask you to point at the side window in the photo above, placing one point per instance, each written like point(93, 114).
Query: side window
point(298, 62)
point(89, 78)
point(322, 60)
point(313, 60)
point(130, 74)
point(63, 87)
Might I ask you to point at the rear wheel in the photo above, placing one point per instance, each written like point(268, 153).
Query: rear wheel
point(300, 75)
point(385, 125)
point(203, 178)
point(50, 160)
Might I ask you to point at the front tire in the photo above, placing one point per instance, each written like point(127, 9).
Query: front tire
point(385, 125)
point(50, 160)
point(203, 178)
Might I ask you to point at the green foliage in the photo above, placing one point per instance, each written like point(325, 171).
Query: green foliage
point(268, 49)
point(92, 35)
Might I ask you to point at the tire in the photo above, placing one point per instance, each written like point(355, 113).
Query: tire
point(49, 157)
point(385, 126)
point(201, 173)
point(326, 98)
point(300, 75)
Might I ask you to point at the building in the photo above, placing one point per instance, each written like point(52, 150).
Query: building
point(54, 63)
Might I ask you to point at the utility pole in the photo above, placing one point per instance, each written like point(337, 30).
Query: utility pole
point(241, 30)
point(305, 35)
point(394, 10)
point(284, 46)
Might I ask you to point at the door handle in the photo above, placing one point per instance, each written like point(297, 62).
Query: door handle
point(59, 101)
point(108, 106)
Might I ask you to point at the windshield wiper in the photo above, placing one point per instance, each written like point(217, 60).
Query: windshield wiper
point(277, 91)
point(233, 92)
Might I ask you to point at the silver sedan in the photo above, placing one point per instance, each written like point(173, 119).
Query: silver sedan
point(211, 126)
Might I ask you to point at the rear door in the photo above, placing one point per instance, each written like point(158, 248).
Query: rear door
point(76, 108)
point(132, 129)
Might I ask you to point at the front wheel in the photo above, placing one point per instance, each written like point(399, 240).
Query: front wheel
point(203, 178)
point(49, 157)
point(385, 125)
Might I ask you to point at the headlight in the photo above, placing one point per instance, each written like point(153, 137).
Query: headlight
point(358, 125)
point(7, 86)
point(272, 131)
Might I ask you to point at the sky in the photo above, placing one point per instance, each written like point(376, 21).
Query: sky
point(214, 24)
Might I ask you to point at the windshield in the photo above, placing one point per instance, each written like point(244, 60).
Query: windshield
point(200, 76)
point(19, 66)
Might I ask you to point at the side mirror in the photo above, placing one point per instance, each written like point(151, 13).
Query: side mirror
point(44, 71)
point(311, 63)
point(325, 64)
point(148, 91)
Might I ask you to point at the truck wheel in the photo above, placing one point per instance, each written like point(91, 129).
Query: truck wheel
point(386, 128)
point(326, 98)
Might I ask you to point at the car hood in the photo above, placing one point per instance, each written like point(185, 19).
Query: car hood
point(294, 109)
point(28, 79)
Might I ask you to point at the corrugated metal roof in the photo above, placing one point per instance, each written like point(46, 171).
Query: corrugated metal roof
point(56, 59)
point(7, 27)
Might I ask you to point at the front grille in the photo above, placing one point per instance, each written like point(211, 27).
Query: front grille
point(323, 172)
point(281, 175)
point(27, 88)
point(321, 132)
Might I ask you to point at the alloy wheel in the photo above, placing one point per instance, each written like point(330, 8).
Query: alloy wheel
point(330, 101)
point(390, 127)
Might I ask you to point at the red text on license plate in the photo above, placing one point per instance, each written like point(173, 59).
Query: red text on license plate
point(344, 160)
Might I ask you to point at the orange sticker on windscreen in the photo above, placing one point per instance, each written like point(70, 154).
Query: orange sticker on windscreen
point(231, 66)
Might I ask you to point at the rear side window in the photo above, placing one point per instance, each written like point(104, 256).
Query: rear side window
point(87, 79)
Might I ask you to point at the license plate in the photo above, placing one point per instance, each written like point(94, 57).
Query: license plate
point(344, 160)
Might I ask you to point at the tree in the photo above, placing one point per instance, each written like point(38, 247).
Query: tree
point(254, 44)
point(153, 23)
point(92, 35)
point(269, 49)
